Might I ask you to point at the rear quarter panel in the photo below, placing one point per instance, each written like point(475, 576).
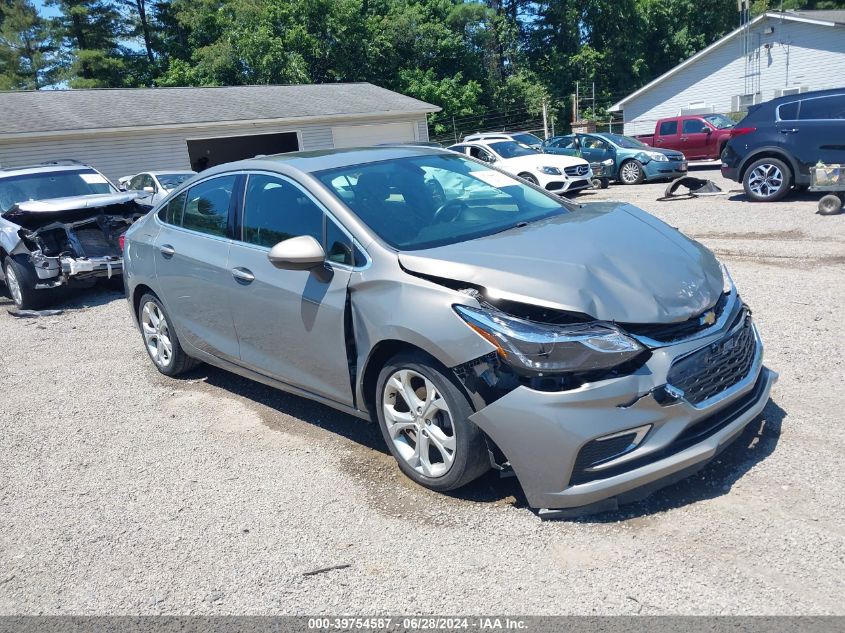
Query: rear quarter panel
point(139, 254)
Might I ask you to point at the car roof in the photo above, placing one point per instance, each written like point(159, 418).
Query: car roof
point(319, 160)
point(43, 168)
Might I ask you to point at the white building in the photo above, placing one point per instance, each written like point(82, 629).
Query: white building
point(777, 53)
point(126, 131)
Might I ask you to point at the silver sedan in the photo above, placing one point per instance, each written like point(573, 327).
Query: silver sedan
point(593, 351)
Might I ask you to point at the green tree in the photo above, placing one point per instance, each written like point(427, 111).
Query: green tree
point(90, 31)
point(26, 48)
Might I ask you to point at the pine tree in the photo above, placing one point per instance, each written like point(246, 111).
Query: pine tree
point(27, 53)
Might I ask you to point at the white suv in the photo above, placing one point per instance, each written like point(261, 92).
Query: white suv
point(556, 174)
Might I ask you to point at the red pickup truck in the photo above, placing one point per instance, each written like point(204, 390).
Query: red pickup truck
point(698, 136)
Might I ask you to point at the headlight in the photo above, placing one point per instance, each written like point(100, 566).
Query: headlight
point(608, 162)
point(551, 171)
point(539, 348)
point(660, 158)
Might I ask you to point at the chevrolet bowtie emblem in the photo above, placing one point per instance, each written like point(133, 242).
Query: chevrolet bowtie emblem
point(708, 318)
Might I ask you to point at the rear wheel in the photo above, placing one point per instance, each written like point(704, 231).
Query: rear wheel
point(424, 419)
point(767, 180)
point(631, 172)
point(160, 338)
point(20, 281)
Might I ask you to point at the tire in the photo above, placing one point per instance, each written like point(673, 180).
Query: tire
point(631, 172)
point(448, 426)
point(605, 182)
point(767, 180)
point(20, 282)
point(158, 337)
point(530, 178)
point(830, 205)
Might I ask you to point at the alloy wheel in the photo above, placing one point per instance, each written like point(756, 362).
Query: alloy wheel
point(630, 173)
point(419, 423)
point(765, 180)
point(13, 285)
point(156, 334)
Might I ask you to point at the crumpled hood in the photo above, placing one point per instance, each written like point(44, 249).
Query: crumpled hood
point(610, 260)
point(71, 202)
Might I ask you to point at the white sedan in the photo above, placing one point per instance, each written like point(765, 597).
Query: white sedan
point(155, 184)
point(554, 173)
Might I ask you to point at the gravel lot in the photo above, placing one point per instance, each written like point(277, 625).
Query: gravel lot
point(124, 492)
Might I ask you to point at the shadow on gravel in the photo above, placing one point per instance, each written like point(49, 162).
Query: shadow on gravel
point(75, 298)
point(794, 196)
point(755, 444)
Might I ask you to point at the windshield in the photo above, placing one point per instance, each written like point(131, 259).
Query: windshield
point(527, 139)
point(171, 181)
point(625, 142)
point(510, 149)
point(434, 200)
point(51, 184)
point(719, 121)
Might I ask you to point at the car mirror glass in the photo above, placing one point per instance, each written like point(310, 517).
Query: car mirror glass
point(297, 253)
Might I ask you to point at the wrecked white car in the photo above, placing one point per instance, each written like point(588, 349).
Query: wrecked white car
point(60, 225)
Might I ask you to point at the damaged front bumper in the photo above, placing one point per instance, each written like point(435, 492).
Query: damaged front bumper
point(614, 441)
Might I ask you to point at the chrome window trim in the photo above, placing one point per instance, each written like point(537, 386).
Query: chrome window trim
point(777, 110)
point(355, 243)
point(178, 192)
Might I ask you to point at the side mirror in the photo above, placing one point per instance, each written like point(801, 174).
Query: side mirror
point(297, 253)
point(149, 190)
point(707, 130)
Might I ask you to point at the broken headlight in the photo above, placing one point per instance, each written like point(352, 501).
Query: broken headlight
point(539, 348)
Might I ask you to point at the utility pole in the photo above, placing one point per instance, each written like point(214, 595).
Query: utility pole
point(454, 129)
point(545, 121)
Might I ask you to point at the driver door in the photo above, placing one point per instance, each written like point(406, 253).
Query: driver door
point(290, 323)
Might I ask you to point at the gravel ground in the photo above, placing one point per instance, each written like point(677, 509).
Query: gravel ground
point(125, 492)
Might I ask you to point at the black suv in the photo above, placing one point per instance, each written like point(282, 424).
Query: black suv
point(773, 148)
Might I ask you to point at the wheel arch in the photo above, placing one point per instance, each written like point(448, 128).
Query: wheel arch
point(768, 152)
point(137, 292)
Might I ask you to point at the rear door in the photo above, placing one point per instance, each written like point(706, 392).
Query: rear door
point(291, 323)
point(565, 145)
point(666, 134)
point(694, 138)
point(819, 132)
point(192, 265)
point(595, 149)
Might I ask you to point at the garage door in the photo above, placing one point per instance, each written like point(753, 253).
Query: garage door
point(366, 135)
point(208, 152)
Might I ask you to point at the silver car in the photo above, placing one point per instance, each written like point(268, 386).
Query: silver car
point(593, 351)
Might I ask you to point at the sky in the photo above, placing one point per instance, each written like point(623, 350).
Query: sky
point(45, 10)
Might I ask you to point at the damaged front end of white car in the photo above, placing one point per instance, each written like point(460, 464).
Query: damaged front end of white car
point(47, 244)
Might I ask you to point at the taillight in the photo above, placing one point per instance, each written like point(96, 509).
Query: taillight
point(120, 241)
point(739, 131)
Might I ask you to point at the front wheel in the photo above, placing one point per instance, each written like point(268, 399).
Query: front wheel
point(424, 419)
point(631, 172)
point(20, 281)
point(767, 180)
point(530, 178)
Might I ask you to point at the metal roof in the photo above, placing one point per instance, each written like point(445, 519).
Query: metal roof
point(823, 18)
point(57, 111)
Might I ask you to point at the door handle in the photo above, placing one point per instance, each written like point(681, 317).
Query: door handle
point(242, 274)
point(684, 138)
point(167, 250)
point(789, 131)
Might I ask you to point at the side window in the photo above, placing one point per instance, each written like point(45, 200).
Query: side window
point(339, 246)
point(147, 181)
point(789, 111)
point(276, 210)
point(207, 207)
point(135, 183)
point(824, 108)
point(693, 126)
point(667, 128)
point(172, 211)
point(481, 154)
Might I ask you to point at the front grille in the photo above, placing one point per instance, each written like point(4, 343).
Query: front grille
point(671, 332)
point(577, 170)
point(716, 367)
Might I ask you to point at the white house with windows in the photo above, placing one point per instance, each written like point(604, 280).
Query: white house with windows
point(775, 54)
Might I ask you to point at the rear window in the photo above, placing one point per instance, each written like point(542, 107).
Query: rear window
point(51, 184)
point(789, 111)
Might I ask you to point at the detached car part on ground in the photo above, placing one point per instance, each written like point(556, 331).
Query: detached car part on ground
point(593, 351)
point(60, 241)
